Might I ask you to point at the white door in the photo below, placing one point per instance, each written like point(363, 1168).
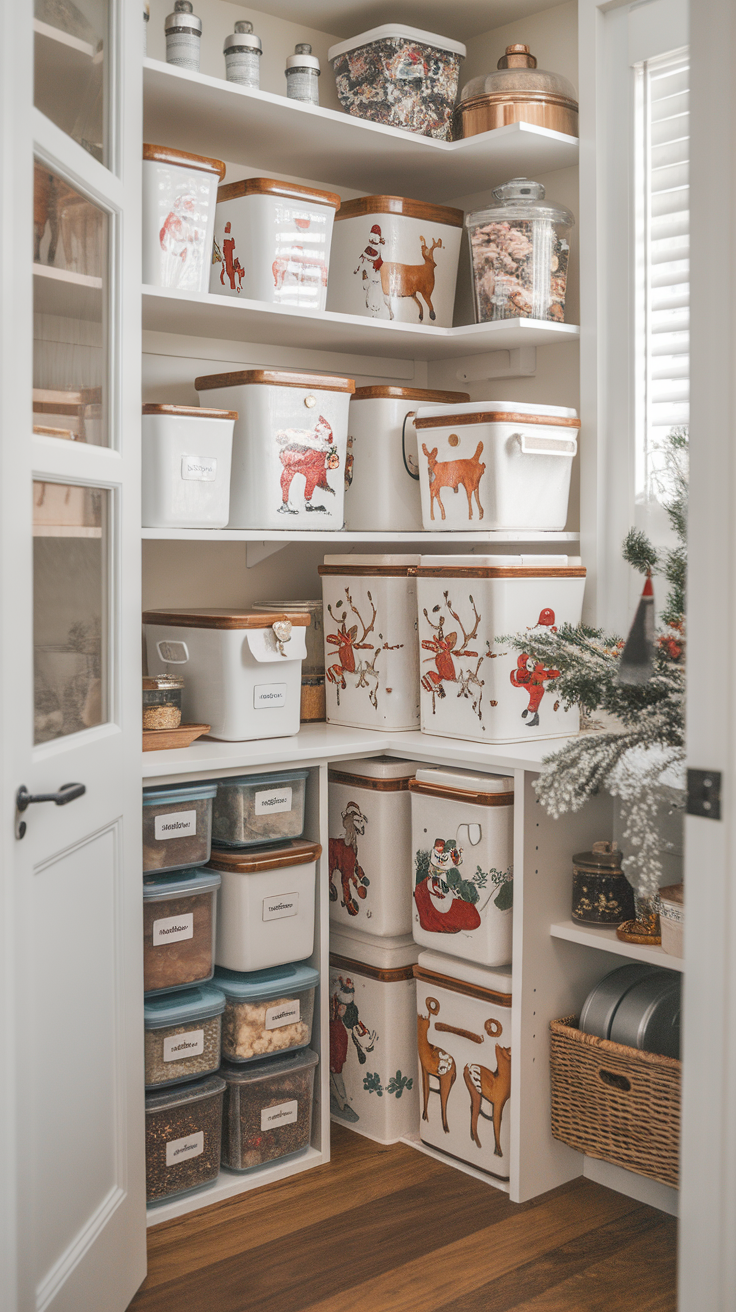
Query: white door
point(70, 655)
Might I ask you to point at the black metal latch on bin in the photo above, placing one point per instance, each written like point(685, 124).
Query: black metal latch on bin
point(704, 793)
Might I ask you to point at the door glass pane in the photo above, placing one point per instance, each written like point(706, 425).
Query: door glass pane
point(70, 72)
point(70, 298)
point(70, 607)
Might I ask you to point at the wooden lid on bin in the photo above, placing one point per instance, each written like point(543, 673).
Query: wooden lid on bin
point(276, 377)
point(412, 209)
point(249, 861)
point(470, 795)
point(411, 394)
point(500, 572)
point(386, 975)
point(212, 618)
point(166, 155)
point(271, 187)
point(195, 411)
point(495, 417)
point(459, 986)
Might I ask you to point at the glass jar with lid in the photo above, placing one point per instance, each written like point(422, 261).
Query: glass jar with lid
point(517, 92)
point(519, 253)
point(162, 694)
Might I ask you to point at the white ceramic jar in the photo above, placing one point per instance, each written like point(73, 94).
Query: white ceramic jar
point(473, 685)
point(507, 463)
point(265, 905)
point(289, 446)
point(179, 200)
point(185, 466)
point(394, 258)
point(371, 652)
point(272, 242)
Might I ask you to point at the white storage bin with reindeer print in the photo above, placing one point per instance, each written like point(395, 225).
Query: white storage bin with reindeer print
point(464, 1042)
point(462, 831)
point(179, 199)
point(288, 465)
point(394, 258)
point(473, 684)
point(371, 651)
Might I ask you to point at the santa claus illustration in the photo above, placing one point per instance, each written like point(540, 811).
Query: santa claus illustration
point(441, 907)
point(532, 676)
point(178, 236)
point(309, 452)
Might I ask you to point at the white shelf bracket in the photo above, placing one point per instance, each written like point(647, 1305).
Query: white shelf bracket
point(255, 552)
point(519, 362)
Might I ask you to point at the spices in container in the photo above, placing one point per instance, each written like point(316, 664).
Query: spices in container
point(302, 75)
point(183, 1033)
point(183, 1137)
point(259, 808)
point(601, 893)
point(178, 929)
point(313, 703)
point(266, 1011)
point(242, 53)
point(162, 701)
point(177, 826)
point(519, 253)
point(183, 36)
point(268, 1110)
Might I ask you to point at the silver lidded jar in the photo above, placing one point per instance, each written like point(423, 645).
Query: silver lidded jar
point(242, 53)
point(519, 254)
point(601, 893)
point(183, 36)
point(302, 75)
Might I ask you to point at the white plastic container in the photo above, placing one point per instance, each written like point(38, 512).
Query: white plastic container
point(382, 467)
point(272, 242)
point(370, 845)
point(462, 829)
point(242, 669)
point(371, 653)
point(464, 1040)
point(374, 1088)
point(400, 76)
point(289, 447)
point(179, 198)
point(265, 905)
point(185, 466)
point(473, 685)
point(507, 463)
point(394, 258)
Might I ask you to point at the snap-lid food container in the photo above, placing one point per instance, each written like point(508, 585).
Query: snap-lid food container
point(183, 1134)
point(519, 254)
point(183, 1034)
point(179, 199)
point(185, 475)
point(400, 76)
point(371, 654)
point(179, 916)
point(517, 92)
point(464, 1041)
point(266, 904)
point(242, 669)
point(266, 1011)
point(601, 893)
point(495, 465)
point(473, 685)
point(462, 831)
point(162, 694)
point(288, 469)
point(268, 1109)
point(394, 258)
point(672, 918)
point(177, 825)
point(253, 809)
point(272, 242)
point(382, 468)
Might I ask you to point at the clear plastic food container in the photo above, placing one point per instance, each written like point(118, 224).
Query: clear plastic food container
point(268, 1110)
point(259, 808)
point(183, 1034)
point(177, 826)
point(519, 253)
point(162, 701)
point(266, 1011)
point(179, 916)
point(183, 1134)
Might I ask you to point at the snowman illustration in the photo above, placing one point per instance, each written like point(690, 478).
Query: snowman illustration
point(445, 901)
point(369, 268)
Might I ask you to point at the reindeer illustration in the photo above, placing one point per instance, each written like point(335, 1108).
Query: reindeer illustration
point(344, 860)
point(434, 1063)
point(347, 642)
point(495, 1087)
point(300, 268)
point(444, 654)
point(453, 473)
point(412, 280)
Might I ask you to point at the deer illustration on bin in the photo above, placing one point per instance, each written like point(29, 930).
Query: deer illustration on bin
point(347, 642)
point(435, 1064)
point(493, 1086)
point(453, 474)
point(444, 654)
point(413, 280)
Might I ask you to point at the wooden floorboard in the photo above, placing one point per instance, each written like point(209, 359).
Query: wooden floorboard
point(392, 1230)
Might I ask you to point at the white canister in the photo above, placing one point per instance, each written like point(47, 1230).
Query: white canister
point(382, 466)
point(185, 466)
point(243, 51)
point(272, 242)
point(374, 1086)
point(370, 845)
point(179, 201)
point(242, 670)
point(507, 463)
point(672, 918)
point(462, 830)
point(473, 685)
point(394, 258)
point(288, 469)
point(371, 653)
point(464, 1041)
point(183, 31)
point(265, 910)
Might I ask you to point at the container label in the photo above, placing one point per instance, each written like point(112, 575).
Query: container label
point(178, 1046)
point(280, 906)
point(284, 1113)
point(276, 799)
point(177, 1150)
point(269, 694)
point(286, 1013)
point(173, 928)
point(201, 469)
point(179, 824)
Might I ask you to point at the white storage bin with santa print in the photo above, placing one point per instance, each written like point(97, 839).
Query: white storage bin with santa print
point(288, 467)
point(473, 684)
point(272, 242)
point(370, 845)
point(374, 1088)
point(179, 199)
point(371, 651)
point(464, 1041)
point(462, 830)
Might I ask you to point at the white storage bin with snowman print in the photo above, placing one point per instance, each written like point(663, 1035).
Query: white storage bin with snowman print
point(288, 468)
point(179, 200)
point(473, 684)
point(462, 829)
point(464, 1042)
point(185, 466)
point(371, 651)
point(272, 242)
point(374, 1086)
point(382, 467)
point(394, 258)
point(370, 845)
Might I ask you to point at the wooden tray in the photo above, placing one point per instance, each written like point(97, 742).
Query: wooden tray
point(157, 740)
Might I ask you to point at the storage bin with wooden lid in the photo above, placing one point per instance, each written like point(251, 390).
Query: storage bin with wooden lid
point(179, 199)
point(185, 466)
point(266, 904)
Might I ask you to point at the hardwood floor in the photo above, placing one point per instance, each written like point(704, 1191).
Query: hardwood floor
point(391, 1230)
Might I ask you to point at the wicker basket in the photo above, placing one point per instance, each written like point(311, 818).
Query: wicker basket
point(616, 1103)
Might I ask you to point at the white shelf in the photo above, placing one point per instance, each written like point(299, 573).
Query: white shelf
point(402, 540)
point(213, 117)
point(63, 292)
point(606, 940)
point(66, 531)
point(230, 1183)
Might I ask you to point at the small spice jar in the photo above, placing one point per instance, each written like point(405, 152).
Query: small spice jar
point(601, 893)
point(302, 74)
point(242, 53)
point(162, 701)
point(183, 36)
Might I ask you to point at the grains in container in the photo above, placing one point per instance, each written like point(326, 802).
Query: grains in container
point(178, 929)
point(259, 808)
point(268, 1110)
point(177, 826)
point(162, 701)
point(183, 1135)
point(182, 1034)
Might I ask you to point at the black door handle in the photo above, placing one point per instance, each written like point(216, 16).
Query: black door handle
point(23, 799)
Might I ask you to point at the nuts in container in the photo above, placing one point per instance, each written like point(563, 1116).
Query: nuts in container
point(268, 1109)
point(162, 701)
point(266, 1011)
point(178, 929)
point(519, 253)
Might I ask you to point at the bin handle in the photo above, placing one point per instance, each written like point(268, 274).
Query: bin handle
point(615, 1081)
point(167, 647)
point(410, 414)
point(468, 829)
point(552, 446)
